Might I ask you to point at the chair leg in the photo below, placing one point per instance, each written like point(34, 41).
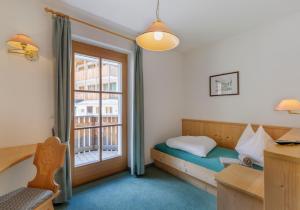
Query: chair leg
point(47, 205)
point(51, 206)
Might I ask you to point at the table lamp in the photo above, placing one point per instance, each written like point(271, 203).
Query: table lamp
point(293, 107)
point(290, 105)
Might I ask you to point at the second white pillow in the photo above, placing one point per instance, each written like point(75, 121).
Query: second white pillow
point(254, 147)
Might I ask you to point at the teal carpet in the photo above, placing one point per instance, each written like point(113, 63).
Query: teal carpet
point(157, 190)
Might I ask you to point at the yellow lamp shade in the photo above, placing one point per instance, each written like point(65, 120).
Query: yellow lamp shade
point(290, 105)
point(157, 38)
point(22, 42)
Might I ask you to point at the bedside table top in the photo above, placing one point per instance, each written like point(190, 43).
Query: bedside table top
point(287, 152)
point(244, 179)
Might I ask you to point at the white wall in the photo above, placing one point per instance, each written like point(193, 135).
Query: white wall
point(26, 88)
point(163, 94)
point(269, 64)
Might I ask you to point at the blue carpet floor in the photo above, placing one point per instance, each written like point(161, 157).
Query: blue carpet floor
point(157, 190)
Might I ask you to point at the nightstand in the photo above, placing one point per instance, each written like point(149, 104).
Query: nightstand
point(282, 177)
point(240, 188)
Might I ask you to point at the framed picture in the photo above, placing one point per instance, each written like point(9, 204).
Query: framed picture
point(224, 84)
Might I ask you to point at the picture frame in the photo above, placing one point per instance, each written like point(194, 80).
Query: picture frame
point(224, 84)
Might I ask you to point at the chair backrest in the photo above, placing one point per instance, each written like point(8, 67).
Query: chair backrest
point(49, 157)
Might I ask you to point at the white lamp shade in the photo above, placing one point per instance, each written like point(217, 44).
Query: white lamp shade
point(157, 38)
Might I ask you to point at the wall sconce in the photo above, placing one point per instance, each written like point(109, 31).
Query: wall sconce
point(290, 105)
point(23, 44)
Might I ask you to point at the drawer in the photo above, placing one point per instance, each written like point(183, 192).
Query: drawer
point(201, 173)
point(172, 161)
point(168, 159)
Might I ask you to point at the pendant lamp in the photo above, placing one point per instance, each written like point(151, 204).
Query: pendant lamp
point(158, 36)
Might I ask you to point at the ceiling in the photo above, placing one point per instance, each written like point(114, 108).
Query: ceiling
point(196, 22)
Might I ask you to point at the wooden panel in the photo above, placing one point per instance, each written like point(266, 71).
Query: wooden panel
point(282, 178)
point(200, 173)
point(192, 128)
point(190, 179)
point(224, 133)
point(176, 163)
point(88, 173)
point(243, 179)
point(10, 156)
point(231, 199)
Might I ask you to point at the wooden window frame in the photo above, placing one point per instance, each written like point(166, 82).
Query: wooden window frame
point(78, 174)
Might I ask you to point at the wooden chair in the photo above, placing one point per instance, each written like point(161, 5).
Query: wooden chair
point(40, 192)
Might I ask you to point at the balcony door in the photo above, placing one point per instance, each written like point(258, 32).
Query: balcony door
point(99, 131)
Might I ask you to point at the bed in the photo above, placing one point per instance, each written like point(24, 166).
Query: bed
point(210, 162)
point(201, 171)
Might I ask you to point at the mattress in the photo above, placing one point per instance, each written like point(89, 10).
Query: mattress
point(212, 161)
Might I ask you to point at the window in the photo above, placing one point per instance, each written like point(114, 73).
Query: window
point(100, 119)
point(80, 68)
point(105, 87)
point(113, 86)
point(91, 66)
point(108, 110)
point(91, 87)
point(99, 99)
point(89, 110)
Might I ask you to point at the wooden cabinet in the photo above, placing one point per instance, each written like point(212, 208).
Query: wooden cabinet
point(282, 177)
point(240, 188)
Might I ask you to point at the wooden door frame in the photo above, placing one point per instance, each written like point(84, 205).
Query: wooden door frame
point(84, 174)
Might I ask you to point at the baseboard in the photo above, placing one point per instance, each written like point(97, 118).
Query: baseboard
point(146, 166)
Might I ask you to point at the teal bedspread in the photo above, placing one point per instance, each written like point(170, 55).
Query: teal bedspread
point(211, 162)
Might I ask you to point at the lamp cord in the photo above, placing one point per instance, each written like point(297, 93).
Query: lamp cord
point(157, 10)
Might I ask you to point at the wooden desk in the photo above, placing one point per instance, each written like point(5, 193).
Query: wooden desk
point(239, 188)
point(10, 156)
point(282, 177)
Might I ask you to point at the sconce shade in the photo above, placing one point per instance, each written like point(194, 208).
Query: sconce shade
point(157, 37)
point(22, 42)
point(288, 105)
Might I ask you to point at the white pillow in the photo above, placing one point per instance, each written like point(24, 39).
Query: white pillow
point(196, 145)
point(254, 147)
point(246, 135)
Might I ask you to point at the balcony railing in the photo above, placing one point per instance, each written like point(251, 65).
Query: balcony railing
point(87, 146)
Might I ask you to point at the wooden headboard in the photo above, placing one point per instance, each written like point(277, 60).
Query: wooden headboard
point(224, 133)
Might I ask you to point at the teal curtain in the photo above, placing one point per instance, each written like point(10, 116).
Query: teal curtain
point(62, 49)
point(138, 114)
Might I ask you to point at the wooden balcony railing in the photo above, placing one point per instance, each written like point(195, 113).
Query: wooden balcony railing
point(88, 139)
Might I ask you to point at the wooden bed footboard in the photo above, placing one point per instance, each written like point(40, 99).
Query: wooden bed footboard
point(196, 175)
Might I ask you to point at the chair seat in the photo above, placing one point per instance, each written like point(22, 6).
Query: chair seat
point(24, 198)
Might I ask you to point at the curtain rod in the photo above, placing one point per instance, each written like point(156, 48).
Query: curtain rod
point(51, 11)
